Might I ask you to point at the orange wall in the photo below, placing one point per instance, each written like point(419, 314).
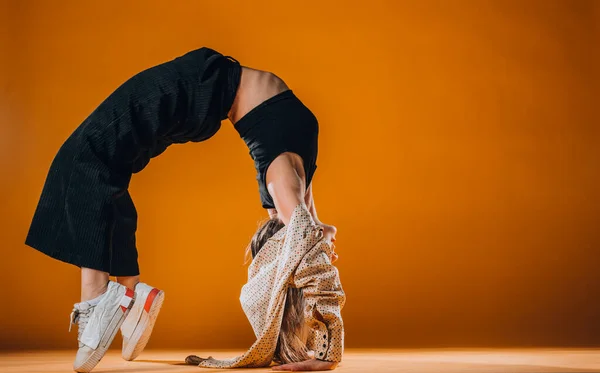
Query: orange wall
point(459, 160)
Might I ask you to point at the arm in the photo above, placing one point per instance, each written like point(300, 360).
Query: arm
point(310, 204)
point(329, 231)
point(285, 185)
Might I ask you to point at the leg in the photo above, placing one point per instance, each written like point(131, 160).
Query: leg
point(123, 250)
point(93, 283)
point(129, 281)
point(123, 258)
point(115, 301)
point(138, 325)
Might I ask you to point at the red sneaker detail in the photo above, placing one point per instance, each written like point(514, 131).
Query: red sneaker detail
point(150, 299)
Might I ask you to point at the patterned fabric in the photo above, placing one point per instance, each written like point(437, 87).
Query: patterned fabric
point(297, 256)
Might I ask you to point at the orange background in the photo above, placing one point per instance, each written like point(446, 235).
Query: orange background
point(459, 158)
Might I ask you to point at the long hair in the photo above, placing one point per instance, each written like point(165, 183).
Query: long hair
point(291, 345)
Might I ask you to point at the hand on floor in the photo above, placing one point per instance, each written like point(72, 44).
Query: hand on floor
point(307, 365)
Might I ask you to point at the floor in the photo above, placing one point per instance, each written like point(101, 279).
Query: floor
point(367, 361)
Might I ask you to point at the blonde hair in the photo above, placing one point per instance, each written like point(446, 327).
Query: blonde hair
point(293, 334)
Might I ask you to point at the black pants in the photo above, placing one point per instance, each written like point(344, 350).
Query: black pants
point(85, 215)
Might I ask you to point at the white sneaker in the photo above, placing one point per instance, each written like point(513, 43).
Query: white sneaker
point(98, 324)
point(138, 325)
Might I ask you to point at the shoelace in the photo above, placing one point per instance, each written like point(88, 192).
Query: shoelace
point(80, 317)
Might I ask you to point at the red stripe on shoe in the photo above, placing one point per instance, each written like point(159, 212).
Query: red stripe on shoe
point(129, 293)
point(127, 299)
point(153, 293)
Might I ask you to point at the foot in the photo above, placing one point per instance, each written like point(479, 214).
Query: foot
point(98, 324)
point(138, 326)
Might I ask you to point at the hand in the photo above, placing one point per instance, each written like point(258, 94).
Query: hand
point(329, 231)
point(334, 256)
point(312, 365)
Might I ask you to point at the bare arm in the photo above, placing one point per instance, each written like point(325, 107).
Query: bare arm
point(285, 182)
point(310, 204)
point(285, 185)
point(329, 231)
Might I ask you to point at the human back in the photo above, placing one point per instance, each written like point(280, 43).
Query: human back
point(256, 86)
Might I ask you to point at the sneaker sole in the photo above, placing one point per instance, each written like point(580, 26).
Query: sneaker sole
point(107, 338)
point(141, 334)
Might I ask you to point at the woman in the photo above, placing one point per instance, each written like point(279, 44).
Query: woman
point(86, 216)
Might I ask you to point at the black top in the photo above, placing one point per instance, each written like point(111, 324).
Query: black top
point(278, 125)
